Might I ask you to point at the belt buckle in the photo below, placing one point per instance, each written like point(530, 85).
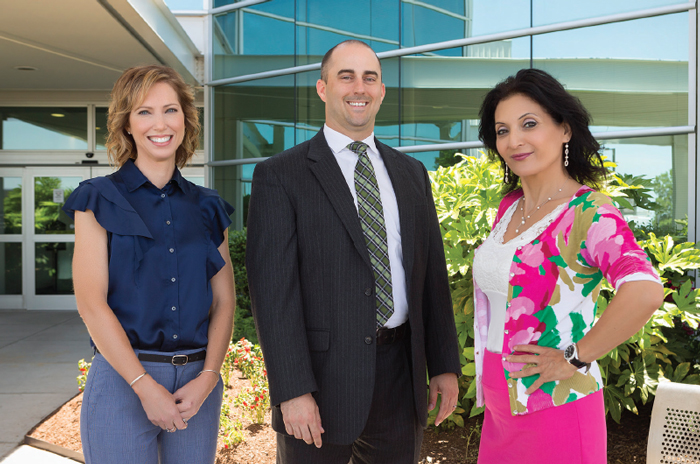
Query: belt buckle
point(175, 361)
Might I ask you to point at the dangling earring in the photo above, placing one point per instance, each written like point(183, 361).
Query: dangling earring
point(506, 177)
point(566, 154)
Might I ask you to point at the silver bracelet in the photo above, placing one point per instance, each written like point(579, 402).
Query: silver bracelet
point(207, 370)
point(137, 379)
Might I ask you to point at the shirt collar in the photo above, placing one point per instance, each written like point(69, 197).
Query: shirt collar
point(338, 141)
point(134, 178)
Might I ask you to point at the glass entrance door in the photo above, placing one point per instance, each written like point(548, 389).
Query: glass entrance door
point(49, 237)
point(11, 246)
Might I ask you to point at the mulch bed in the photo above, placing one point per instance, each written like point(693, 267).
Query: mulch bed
point(626, 441)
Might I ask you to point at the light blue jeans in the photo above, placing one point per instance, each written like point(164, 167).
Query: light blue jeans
point(114, 427)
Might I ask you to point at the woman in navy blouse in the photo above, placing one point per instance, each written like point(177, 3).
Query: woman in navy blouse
point(153, 282)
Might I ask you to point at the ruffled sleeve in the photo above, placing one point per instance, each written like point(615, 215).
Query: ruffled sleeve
point(215, 213)
point(110, 208)
point(112, 211)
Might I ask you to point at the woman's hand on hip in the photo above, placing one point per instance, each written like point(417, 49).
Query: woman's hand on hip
point(190, 397)
point(159, 405)
point(549, 363)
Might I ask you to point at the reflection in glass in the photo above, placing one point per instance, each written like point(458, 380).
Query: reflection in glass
point(619, 71)
point(254, 119)
point(10, 268)
point(254, 39)
point(426, 22)
point(664, 160)
point(441, 97)
point(54, 271)
point(101, 128)
point(218, 3)
point(322, 24)
point(50, 193)
point(29, 128)
point(11, 206)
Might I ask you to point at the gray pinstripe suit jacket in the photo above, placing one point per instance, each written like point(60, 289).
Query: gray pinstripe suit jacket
point(309, 272)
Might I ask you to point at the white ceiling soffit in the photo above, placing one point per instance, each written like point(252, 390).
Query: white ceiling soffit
point(86, 44)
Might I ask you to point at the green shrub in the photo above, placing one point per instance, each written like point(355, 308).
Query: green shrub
point(467, 197)
point(243, 325)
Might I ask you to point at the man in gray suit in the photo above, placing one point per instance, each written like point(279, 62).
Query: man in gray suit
point(348, 283)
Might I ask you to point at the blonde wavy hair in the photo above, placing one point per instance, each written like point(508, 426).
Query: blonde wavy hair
point(129, 92)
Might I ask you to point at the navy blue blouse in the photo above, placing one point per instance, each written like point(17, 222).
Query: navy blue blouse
point(163, 252)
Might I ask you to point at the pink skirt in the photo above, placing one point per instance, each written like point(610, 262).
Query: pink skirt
point(573, 433)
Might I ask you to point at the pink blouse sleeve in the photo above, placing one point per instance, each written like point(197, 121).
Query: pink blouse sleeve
point(610, 245)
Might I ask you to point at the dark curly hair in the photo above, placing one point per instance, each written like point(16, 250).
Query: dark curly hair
point(585, 163)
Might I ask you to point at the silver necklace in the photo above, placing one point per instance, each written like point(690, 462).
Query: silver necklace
point(522, 208)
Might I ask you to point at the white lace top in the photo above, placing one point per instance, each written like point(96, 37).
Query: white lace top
point(492, 268)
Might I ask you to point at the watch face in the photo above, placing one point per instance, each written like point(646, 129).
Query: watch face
point(569, 352)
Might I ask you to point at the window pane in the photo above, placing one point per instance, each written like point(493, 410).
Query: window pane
point(663, 159)
point(54, 272)
point(10, 268)
point(50, 193)
point(252, 120)
point(101, 128)
point(218, 3)
point(441, 97)
point(11, 212)
point(311, 111)
point(322, 24)
point(254, 39)
point(43, 128)
point(548, 12)
point(426, 22)
point(629, 75)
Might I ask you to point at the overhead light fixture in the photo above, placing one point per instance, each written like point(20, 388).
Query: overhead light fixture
point(26, 68)
point(58, 115)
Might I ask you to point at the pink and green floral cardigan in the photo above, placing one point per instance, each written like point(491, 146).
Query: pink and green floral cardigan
point(554, 285)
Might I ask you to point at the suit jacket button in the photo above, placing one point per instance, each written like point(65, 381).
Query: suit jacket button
point(368, 291)
point(368, 340)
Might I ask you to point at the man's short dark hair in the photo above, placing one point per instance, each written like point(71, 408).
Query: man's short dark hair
point(327, 57)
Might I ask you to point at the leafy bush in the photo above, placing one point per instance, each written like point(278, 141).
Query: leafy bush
point(243, 324)
point(467, 197)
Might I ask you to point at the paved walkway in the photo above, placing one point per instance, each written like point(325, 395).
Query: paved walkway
point(39, 353)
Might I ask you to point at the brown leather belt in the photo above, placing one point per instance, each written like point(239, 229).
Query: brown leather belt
point(388, 336)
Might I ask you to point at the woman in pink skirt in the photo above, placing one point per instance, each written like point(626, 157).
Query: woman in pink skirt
point(538, 275)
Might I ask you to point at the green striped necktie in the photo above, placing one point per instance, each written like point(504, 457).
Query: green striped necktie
point(369, 205)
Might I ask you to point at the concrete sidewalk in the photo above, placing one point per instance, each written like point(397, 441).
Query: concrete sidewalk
point(39, 353)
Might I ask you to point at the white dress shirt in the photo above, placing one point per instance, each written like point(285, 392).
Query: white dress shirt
point(347, 159)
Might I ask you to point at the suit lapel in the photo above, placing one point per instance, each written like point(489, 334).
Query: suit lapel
point(329, 175)
point(404, 190)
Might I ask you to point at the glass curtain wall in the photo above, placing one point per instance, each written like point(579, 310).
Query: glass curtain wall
point(627, 60)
